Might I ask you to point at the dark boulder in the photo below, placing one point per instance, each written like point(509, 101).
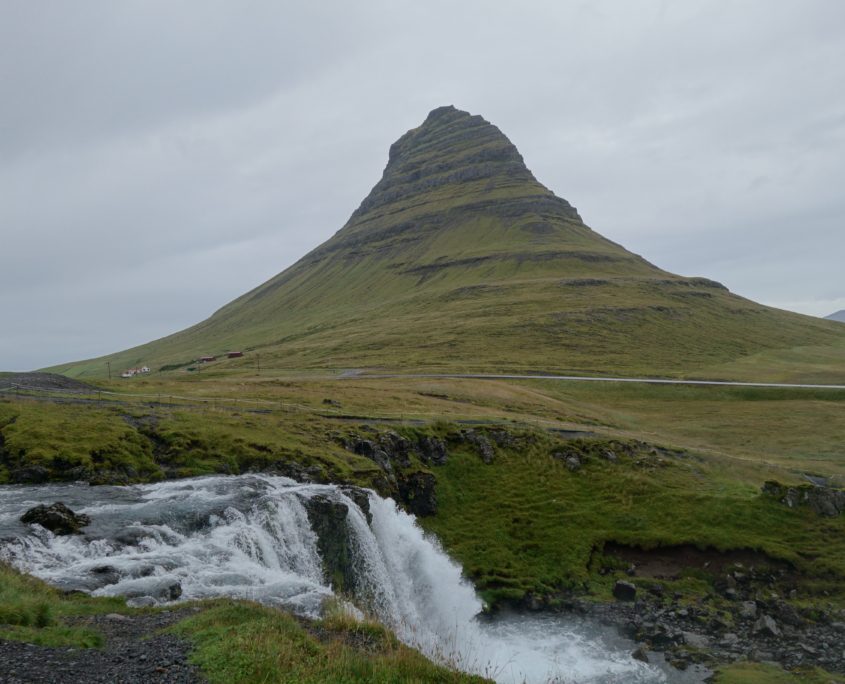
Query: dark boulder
point(57, 518)
point(824, 501)
point(397, 448)
point(373, 451)
point(641, 654)
point(624, 591)
point(432, 450)
point(105, 574)
point(416, 491)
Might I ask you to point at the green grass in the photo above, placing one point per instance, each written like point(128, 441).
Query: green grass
point(753, 428)
point(240, 643)
point(34, 612)
point(528, 524)
point(73, 442)
point(757, 673)
point(131, 444)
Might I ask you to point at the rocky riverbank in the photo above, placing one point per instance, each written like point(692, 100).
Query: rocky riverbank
point(712, 631)
point(134, 652)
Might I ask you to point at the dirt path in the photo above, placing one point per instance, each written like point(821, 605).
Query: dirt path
point(133, 654)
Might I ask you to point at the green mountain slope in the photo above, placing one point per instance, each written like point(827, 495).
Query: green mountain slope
point(460, 259)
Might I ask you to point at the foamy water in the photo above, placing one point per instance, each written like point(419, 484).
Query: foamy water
point(250, 537)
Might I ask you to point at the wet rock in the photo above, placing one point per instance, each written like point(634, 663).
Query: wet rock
point(361, 498)
point(131, 536)
point(679, 663)
point(106, 574)
point(57, 518)
point(328, 520)
point(151, 594)
point(640, 654)
point(624, 591)
point(766, 626)
point(417, 492)
point(31, 474)
point(296, 471)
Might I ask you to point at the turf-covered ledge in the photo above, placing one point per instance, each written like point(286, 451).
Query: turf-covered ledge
point(529, 521)
point(238, 642)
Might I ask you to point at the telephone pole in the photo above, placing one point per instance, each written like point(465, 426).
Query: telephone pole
point(108, 363)
point(258, 362)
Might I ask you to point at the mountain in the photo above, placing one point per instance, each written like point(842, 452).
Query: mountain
point(459, 258)
point(838, 316)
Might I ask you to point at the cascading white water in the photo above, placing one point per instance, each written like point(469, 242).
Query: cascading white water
point(250, 537)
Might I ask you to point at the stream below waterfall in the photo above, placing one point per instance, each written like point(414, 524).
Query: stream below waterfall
point(253, 537)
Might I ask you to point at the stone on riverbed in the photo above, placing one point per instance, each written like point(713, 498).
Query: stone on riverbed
point(57, 518)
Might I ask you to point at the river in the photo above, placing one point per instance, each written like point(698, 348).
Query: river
point(250, 537)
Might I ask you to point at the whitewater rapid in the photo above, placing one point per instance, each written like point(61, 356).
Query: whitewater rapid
point(250, 537)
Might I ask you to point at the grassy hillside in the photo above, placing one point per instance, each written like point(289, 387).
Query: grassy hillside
point(459, 259)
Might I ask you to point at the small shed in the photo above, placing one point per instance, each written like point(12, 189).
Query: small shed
point(207, 359)
point(234, 354)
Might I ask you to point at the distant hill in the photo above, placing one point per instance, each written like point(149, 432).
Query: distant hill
point(459, 258)
point(838, 316)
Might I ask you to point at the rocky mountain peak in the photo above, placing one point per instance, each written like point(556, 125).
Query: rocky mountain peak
point(451, 148)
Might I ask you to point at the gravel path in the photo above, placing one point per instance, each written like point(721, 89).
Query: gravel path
point(133, 654)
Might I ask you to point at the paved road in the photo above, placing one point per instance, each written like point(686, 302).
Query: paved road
point(583, 378)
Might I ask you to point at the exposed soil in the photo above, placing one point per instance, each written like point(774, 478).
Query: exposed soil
point(134, 653)
point(670, 561)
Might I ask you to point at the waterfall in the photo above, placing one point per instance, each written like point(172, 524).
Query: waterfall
point(253, 537)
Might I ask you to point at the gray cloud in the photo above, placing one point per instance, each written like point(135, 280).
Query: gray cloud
point(159, 159)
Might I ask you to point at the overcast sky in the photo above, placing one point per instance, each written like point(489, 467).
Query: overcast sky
point(158, 159)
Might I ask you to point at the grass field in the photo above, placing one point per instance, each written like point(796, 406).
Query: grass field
point(523, 525)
